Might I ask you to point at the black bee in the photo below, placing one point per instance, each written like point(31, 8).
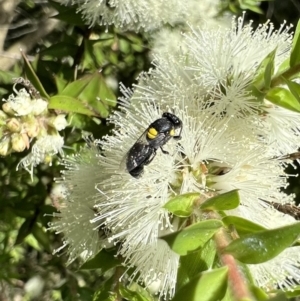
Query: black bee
point(155, 136)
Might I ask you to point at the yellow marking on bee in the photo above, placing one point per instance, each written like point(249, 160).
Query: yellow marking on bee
point(172, 132)
point(152, 133)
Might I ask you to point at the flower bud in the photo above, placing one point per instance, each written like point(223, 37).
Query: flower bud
point(3, 116)
point(59, 122)
point(19, 142)
point(32, 127)
point(14, 125)
point(38, 106)
point(7, 108)
point(5, 146)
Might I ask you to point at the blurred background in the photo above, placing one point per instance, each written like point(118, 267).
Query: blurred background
point(61, 48)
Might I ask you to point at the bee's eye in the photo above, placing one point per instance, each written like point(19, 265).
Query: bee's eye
point(152, 133)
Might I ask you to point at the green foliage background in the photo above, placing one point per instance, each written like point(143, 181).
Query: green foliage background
point(70, 51)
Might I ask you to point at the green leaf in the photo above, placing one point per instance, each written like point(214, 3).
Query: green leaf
point(41, 236)
point(283, 98)
point(93, 94)
point(279, 297)
point(6, 77)
point(225, 201)
point(106, 292)
point(68, 14)
point(294, 293)
point(69, 104)
point(24, 230)
point(193, 237)
point(60, 50)
point(258, 95)
point(265, 71)
point(250, 5)
point(284, 66)
point(103, 260)
point(293, 87)
point(269, 71)
point(194, 263)
point(241, 225)
point(295, 54)
point(33, 78)
point(263, 245)
point(182, 205)
point(209, 286)
point(93, 55)
point(135, 293)
point(259, 294)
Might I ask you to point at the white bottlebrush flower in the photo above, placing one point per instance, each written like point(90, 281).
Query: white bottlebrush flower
point(19, 104)
point(44, 147)
point(282, 129)
point(38, 106)
point(224, 146)
point(280, 272)
point(22, 104)
point(76, 209)
point(59, 122)
point(151, 263)
point(214, 156)
point(218, 66)
point(142, 14)
point(170, 41)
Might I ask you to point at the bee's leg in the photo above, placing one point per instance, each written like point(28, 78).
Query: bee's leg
point(165, 152)
point(178, 137)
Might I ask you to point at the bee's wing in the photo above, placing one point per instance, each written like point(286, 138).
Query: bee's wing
point(141, 141)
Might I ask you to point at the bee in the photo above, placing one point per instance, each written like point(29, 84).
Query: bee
point(155, 136)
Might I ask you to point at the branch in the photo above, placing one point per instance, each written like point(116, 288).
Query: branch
point(7, 8)
point(237, 281)
point(12, 54)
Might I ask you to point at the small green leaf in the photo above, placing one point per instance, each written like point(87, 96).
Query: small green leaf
point(294, 293)
point(93, 93)
point(225, 201)
point(295, 54)
point(68, 104)
point(209, 286)
point(135, 293)
point(106, 292)
point(263, 245)
point(241, 225)
point(265, 71)
point(258, 95)
point(182, 205)
point(279, 297)
point(68, 14)
point(284, 66)
point(293, 87)
point(32, 77)
point(259, 294)
point(60, 50)
point(283, 98)
point(41, 236)
point(252, 5)
point(194, 263)
point(24, 230)
point(193, 237)
point(103, 260)
point(269, 71)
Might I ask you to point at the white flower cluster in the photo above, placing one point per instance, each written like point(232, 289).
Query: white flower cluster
point(230, 140)
point(144, 14)
point(25, 121)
